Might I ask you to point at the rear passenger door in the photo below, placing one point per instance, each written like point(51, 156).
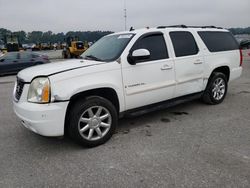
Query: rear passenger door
point(189, 63)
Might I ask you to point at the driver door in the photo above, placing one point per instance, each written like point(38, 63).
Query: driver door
point(150, 80)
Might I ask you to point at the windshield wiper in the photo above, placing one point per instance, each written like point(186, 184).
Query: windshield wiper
point(93, 57)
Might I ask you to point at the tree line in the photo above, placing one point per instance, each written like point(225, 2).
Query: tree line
point(239, 31)
point(90, 36)
point(49, 36)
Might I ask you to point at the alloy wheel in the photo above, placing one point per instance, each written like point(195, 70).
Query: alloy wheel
point(219, 89)
point(94, 123)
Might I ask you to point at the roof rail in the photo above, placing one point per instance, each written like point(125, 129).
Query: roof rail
point(162, 27)
point(211, 26)
point(184, 26)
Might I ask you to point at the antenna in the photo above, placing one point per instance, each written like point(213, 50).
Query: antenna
point(125, 15)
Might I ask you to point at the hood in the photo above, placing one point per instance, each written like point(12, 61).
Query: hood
point(55, 68)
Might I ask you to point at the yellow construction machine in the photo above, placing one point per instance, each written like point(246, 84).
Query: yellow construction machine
point(74, 48)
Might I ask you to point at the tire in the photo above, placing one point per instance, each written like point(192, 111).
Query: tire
point(64, 55)
point(92, 121)
point(216, 89)
point(68, 54)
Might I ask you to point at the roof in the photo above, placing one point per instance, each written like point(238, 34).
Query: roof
point(173, 27)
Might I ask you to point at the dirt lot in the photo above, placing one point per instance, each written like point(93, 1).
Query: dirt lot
point(190, 145)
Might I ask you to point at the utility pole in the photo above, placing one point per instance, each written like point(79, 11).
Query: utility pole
point(125, 15)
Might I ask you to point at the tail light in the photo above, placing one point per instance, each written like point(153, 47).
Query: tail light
point(46, 58)
point(241, 57)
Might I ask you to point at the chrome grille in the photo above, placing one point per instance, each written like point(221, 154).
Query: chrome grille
point(19, 89)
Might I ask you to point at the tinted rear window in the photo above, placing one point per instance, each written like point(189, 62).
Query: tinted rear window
point(217, 41)
point(184, 43)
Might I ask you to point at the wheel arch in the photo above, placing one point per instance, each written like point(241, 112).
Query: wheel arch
point(223, 69)
point(105, 92)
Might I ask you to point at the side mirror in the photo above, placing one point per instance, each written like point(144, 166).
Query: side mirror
point(1, 60)
point(138, 55)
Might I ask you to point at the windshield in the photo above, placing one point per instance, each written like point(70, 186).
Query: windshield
point(108, 48)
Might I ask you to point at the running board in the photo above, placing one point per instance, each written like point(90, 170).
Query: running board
point(160, 106)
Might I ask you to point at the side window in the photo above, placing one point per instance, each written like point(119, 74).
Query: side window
point(184, 43)
point(34, 56)
point(10, 57)
point(155, 44)
point(25, 56)
point(217, 41)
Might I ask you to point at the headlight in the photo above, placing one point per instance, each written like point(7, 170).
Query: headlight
point(39, 90)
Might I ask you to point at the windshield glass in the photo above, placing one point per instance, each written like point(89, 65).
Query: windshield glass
point(108, 48)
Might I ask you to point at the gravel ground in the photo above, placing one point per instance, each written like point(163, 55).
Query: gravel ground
point(190, 145)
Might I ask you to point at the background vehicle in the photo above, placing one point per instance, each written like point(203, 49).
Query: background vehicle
point(74, 48)
point(245, 44)
point(245, 47)
point(29, 46)
point(36, 47)
point(45, 46)
point(2, 45)
point(13, 62)
point(12, 43)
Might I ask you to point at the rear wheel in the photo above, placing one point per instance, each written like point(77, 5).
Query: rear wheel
point(92, 121)
point(64, 55)
point(216, 89)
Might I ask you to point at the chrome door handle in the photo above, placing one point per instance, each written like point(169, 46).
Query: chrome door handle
point(166, 67)
point(198, 61)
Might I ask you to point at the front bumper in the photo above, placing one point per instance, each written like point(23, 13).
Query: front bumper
point(43, 119)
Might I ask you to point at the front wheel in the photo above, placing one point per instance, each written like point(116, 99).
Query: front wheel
point(92, 121)
point(216, 89)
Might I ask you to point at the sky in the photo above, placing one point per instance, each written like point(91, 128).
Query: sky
point(108, 15)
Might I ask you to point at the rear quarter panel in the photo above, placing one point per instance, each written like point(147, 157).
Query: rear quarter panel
point(218, 59)
point(213, 60)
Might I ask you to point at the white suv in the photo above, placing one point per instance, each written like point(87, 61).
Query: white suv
point(126, 73)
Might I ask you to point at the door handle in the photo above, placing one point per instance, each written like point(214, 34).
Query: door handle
point(166, 67)
point(198, 61)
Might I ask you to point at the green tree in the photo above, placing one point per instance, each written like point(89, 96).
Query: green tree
point(35, 36)
point(22, 36)
point(49, 36)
